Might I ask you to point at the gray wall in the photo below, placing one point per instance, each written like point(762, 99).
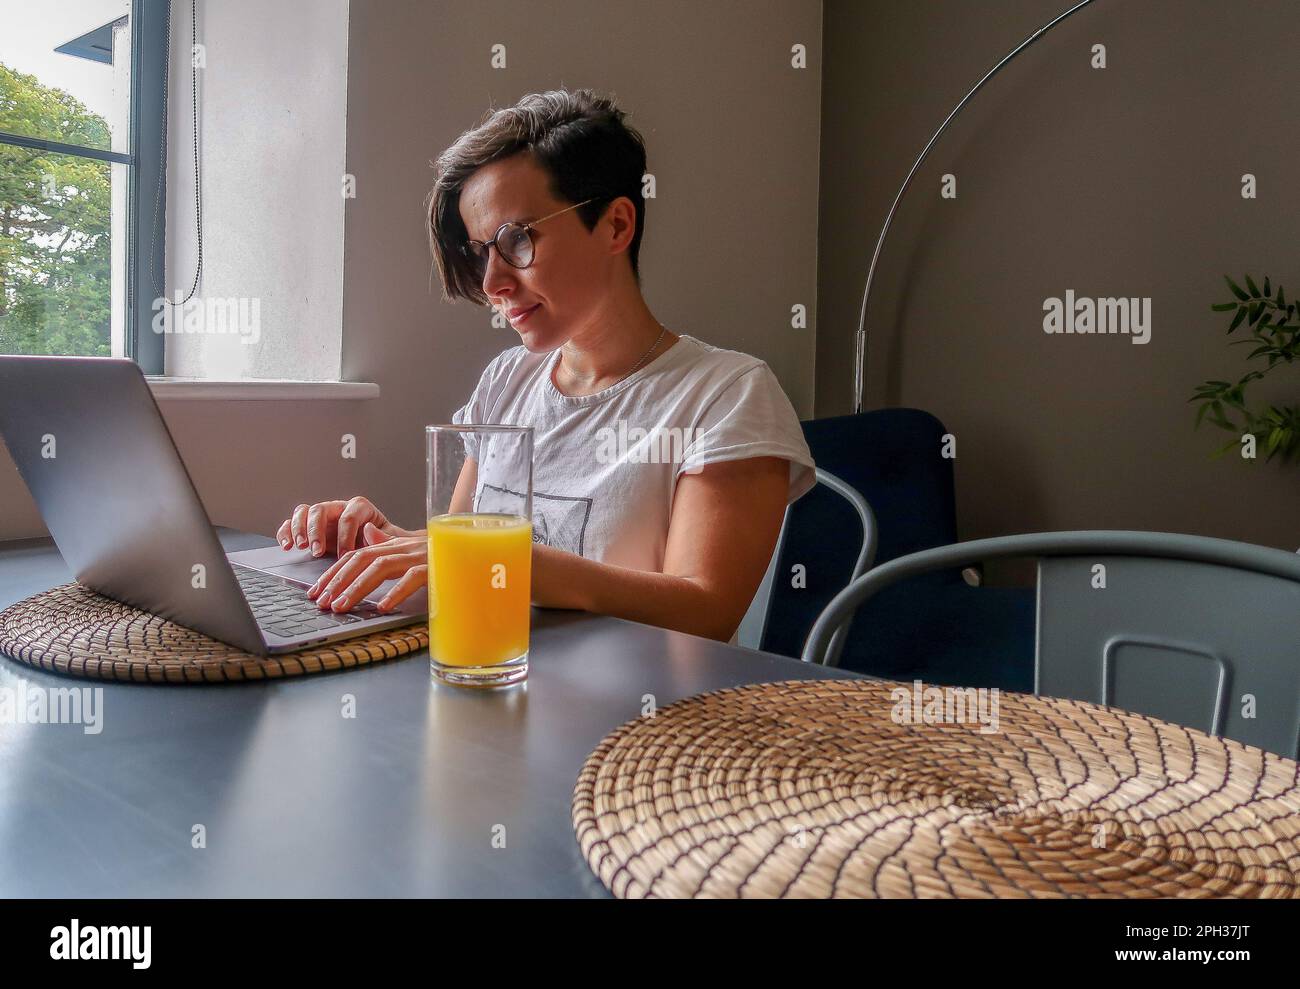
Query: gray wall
point(1122, 181)
point(293, 55)
point(733, 140)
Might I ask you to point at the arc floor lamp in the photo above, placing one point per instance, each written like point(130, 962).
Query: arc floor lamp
point(860, 357)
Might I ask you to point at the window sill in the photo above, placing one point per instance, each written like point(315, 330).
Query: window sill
point(188, 389)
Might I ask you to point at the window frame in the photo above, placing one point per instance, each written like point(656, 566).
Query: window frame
point(146, 235)
point(144, 172)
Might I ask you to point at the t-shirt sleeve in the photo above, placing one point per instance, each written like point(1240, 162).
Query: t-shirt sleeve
point(752, 417)
point(476, 409)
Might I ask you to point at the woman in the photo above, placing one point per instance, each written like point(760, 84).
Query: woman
point(663, 465)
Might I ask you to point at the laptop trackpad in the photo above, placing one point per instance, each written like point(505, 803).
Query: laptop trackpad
point(300, 565)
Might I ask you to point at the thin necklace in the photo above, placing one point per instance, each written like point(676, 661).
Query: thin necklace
point(635, 367)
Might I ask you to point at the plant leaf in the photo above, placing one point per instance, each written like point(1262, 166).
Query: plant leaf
point(1224, 306)
point(1236, 289)
point(1250, 284)
point(1225, 448)
point(1236, 321)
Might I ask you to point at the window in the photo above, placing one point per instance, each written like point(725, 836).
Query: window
point(80, 152)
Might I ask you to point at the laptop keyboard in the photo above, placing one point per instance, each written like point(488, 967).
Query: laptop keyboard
point(285, 608)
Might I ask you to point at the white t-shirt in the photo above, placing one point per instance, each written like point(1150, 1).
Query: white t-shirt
point(605, 466)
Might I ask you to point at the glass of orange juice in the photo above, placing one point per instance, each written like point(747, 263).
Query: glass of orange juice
point(480, 509)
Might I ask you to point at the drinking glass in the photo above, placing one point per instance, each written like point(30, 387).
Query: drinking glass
point(479, 511)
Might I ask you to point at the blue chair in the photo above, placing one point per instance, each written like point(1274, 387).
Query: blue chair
point(935, 626)
point(829, 497)
point(1196, 631)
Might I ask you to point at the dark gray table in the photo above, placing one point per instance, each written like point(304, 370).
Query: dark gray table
point(411, 797)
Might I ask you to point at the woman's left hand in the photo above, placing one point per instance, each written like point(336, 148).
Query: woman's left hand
point(359, 571)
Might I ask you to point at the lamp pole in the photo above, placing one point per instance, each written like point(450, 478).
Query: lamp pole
point(860, 356)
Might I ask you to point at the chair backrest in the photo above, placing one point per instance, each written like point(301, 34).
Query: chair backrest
point(892, 458)
point(1215, 647)
point(1197, 631)
point(862, 553)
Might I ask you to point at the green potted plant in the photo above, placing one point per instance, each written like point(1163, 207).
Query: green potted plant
point(1275, 332)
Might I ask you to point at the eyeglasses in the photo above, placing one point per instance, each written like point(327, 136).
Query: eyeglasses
point(513, 240)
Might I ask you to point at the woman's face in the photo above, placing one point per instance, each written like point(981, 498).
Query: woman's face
point(560, 292)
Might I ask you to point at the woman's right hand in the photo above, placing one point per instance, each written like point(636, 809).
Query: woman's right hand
point(333, 526)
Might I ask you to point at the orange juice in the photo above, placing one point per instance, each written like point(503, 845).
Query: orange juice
point(480, 569)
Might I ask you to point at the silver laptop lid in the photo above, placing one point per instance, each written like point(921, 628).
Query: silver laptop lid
point(89, 441)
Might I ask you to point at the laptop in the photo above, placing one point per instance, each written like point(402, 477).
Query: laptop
point(89, 441)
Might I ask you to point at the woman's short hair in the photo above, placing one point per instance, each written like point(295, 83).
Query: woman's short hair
point(579, 137)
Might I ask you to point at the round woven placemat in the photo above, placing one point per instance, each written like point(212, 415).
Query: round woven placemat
point(812, 789)
point(71, 629)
